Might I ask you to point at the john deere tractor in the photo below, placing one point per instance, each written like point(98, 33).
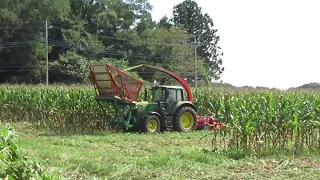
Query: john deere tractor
point(167, 108)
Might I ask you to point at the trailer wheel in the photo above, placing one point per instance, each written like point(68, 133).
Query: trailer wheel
point(185, 119)
point(150, 124)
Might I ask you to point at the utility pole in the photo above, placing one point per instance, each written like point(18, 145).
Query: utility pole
point(47, 55)
point(195, 63)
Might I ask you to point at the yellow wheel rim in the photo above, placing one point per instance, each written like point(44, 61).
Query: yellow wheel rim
point(186, 120)
point(152, 125)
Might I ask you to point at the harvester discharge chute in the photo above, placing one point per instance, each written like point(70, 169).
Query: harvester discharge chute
point(110, 82)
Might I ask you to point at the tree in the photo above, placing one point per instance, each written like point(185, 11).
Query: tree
point(93, 31)
point(164, 23)
point(23, 32)
point(70, 68)
point(167, 48)
point(189, 15)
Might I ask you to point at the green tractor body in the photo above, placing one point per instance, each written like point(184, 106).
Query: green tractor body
point(163, 107)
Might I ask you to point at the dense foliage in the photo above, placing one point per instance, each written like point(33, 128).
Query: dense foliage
point(13, 164)
point(81, 32)
point(257, 119)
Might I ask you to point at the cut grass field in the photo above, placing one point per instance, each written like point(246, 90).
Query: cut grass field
point(171, 155)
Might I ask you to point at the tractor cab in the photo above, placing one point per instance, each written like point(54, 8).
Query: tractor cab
point(166, 96)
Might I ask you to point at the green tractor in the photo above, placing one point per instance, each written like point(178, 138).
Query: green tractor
point(168, 108)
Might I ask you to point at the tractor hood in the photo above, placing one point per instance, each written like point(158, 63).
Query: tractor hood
point(145, 106)
point(142, 104)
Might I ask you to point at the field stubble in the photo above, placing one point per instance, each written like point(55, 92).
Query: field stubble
point(161, 156)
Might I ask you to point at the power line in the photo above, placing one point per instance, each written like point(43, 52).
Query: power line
point(16, 70)
point(22, 22)
point(33, 68)
point(99, 35)
point(17, 44)
point(16, 66)
point(143, 42)
point(111, 37)
point(88, 49)
point(62, 44)
point(105, 51)
point(19, 28)
point(65, 45)
point(145, 76)
point(130, 40)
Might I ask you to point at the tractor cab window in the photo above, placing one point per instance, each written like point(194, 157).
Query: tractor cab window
point(179, 95)
point(159, 94)
point(172, 96)
point(175, 95)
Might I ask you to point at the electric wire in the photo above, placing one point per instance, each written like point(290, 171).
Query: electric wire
point(62, 44)
point(184, 44)
point(56, 43)
point(105, 51)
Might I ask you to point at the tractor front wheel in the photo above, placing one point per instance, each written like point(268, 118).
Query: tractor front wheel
point(150, 124)
point(185, 119)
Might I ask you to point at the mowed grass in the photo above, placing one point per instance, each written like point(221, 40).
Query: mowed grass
point(171, 155)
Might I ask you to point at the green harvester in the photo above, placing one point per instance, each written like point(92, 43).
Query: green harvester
point(169, 107)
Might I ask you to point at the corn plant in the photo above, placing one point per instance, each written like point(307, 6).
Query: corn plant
point(54, 107)
point(13, 164)
point(265, 120)
point(259, 120)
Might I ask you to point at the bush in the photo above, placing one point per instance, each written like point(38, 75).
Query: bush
point(12, 164)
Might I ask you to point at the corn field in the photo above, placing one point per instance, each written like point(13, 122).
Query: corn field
point(264, 120)
point(256, 119)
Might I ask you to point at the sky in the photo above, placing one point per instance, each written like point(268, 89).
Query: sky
point(270, 43)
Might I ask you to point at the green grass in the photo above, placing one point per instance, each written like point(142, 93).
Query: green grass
point(171, 155)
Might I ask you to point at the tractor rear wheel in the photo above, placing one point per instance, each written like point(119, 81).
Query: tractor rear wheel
point(150, 124)
point(185, 119)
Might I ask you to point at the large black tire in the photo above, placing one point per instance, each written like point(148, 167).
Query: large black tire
point(150, 124)
point(185, 119)
point(163, 126)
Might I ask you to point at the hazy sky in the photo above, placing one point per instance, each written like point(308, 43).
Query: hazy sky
point(272, 43)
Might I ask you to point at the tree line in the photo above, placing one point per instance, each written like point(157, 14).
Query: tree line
point(118, 32)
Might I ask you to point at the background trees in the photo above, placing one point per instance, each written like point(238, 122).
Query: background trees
point(81, 32)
